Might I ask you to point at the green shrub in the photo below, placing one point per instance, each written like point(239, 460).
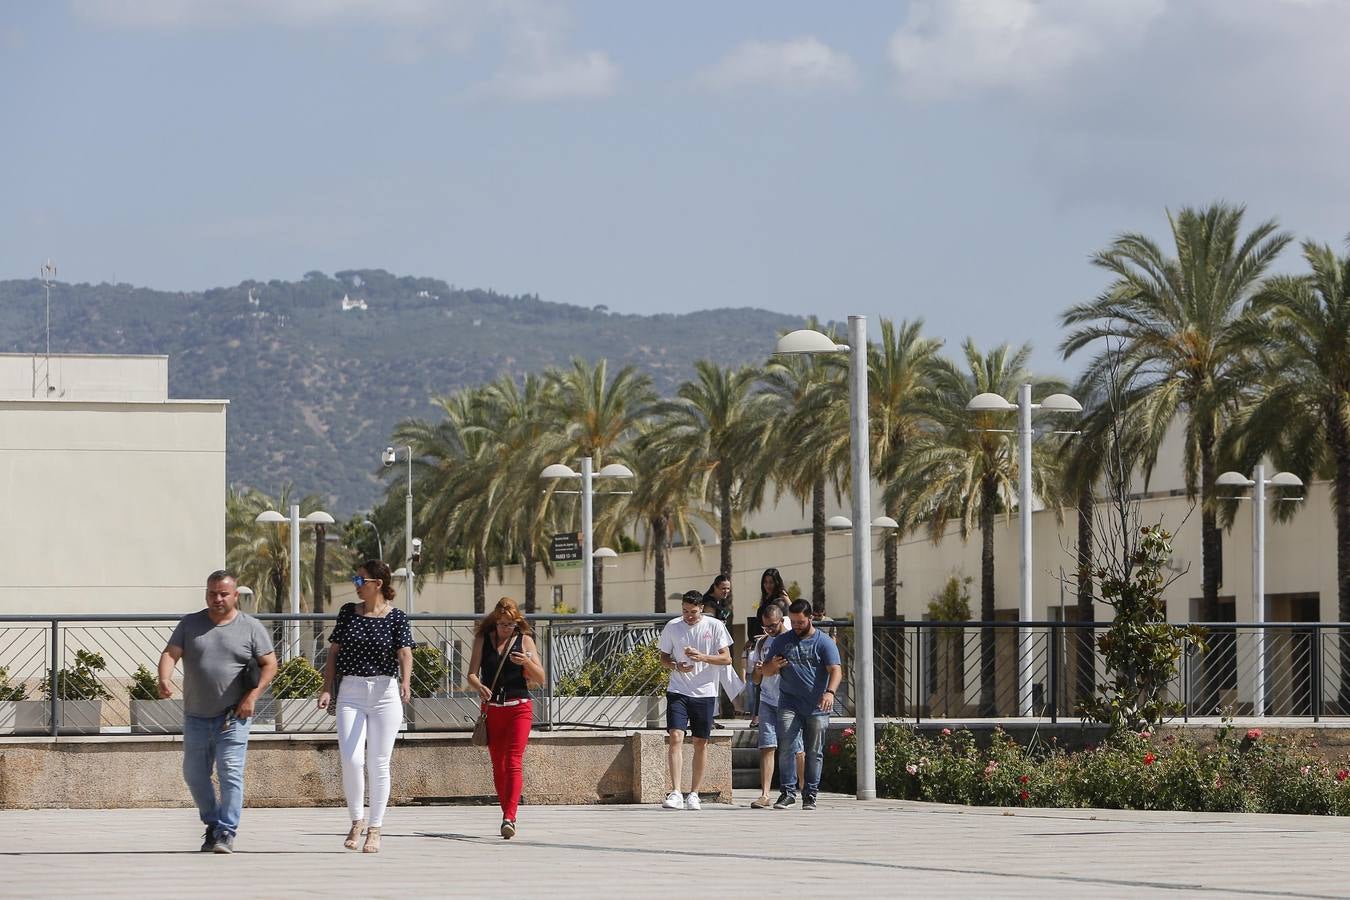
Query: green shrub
point(636, 673)
point(9, 690)
point(144, 685)
point(1131, 770)
point(297, 679)
point(429, 670)
point(80, 681)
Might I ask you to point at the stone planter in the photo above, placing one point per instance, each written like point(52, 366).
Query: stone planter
point(34, 716)
point(611, 711)
point(157, 716)
point(443, 712)
point(303, 715)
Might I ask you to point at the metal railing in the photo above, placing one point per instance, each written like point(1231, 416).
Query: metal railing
point(76, 674)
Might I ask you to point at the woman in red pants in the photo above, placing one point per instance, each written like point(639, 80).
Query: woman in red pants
point(509, 710)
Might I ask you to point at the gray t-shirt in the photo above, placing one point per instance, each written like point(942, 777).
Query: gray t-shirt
point(214, 657)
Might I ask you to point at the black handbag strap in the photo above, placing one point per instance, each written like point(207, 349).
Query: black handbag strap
point(502, 663)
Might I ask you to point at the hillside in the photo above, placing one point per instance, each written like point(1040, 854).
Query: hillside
point(315, 390)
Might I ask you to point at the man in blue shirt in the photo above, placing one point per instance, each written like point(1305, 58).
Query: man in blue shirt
point(808, 661)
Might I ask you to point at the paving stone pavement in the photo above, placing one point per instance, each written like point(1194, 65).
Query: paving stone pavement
point(843, 849)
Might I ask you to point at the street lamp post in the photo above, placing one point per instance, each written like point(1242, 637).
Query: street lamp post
point(272, 517)
point(410, 544)
point(379, 544)
point(587, 477)
point(1023, 407)
point(1258, 483)
point(808, 341)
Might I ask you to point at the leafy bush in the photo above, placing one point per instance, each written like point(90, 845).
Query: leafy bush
point(9, 691)
point(80, 681)
point(429, 670)
point(144, 685)
point(637, 673)
point(1245, 772)
point(297, 679)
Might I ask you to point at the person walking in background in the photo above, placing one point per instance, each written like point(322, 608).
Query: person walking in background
point(694, 648)
point(773, 622)
point(216, 646)
point(808, 661)
point(771, 591)
point(510, 712)
point(717, 603)
point(370, 651)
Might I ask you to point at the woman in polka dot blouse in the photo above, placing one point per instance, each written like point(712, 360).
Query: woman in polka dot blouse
point(371, 648)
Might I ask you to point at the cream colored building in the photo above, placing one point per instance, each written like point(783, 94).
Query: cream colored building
point(114, 494)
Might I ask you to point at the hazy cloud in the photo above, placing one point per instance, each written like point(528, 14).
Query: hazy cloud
point(292, 13)
point(948, 47)
point(803, 64)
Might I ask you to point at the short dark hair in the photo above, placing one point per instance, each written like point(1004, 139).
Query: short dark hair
point(772, 610)
point(220, 575)
point(692, 597)
point(801, 607)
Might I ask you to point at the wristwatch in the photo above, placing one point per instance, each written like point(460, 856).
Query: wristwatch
point(827, 691)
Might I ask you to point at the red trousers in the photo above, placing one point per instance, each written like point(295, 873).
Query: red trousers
point(508, 731)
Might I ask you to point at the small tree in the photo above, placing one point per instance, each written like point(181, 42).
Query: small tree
point(429, 670)
point(9, 691)
point(80, 681)
point(1141, 647)
point(297, 679)
point(952, 604)
point(144, 685)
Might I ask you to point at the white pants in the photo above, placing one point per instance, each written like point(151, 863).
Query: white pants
point(368, 715)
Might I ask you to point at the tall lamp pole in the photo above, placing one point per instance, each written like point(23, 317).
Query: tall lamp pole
point(808, 341)
point(1258, 483)
point(1023, 407)
point(587, 478)
point(411, 545)
point(272, 517)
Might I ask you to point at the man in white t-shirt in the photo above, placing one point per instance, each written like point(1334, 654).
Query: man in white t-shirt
point(692, 648)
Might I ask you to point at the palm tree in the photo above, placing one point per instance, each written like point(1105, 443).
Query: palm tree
point(805, 445)
point(716, 424)
point(900, 397)
point(1178, 347)
point(966, 470)
point(667, 501)
point(596, 415)
point(518, 411)
point(1301, 416)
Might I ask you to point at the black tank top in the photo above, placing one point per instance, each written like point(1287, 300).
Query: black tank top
point(511, 685)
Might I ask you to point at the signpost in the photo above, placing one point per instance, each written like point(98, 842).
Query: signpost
point(565, 551)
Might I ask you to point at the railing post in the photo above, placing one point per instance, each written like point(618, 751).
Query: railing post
point(1053, 635)
point(1315, 666)
point(54, 678)
point(549, 706)
point(1186, 655)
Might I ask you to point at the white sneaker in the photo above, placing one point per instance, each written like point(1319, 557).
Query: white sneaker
point(674, 800)
point(691, 802)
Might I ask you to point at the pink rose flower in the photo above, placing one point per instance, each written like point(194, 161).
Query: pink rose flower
point(1342, 774)
point(946, 732)
point(848, 732)
point(1253, 734)
point(912, 769)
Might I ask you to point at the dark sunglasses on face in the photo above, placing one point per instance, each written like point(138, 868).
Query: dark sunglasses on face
point(360, 580)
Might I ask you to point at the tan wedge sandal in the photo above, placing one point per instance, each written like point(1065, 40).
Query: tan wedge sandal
point(358, 828)
point(372, 841)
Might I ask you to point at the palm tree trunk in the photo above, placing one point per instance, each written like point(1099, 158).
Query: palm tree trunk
point(1086, 681)
point(989, 496)
point(480, 571)
point(890, 555)
point(724, 501)
point(818, 544)
point(658, 524)
point(598, 567)
point(527, 562)
point(1211, 541)
point(320, 559)
point(1340, 489)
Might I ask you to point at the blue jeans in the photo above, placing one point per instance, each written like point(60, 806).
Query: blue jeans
point(219, 741)
point(805, 730)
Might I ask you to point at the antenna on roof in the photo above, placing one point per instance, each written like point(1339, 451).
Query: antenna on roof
point(47, 273)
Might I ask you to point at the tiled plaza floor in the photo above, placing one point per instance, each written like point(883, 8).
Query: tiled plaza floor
point(843, 849)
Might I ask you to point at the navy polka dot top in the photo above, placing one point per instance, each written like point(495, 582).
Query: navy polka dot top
point(369, 646)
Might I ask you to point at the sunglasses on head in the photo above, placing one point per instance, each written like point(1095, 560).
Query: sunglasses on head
point(361, 580)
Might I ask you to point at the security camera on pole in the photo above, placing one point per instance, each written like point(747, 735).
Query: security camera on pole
point(412, 547)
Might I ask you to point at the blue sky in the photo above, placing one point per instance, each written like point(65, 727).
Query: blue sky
point(956, 160)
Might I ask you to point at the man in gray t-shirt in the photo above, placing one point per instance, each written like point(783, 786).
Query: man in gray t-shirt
point(215, 646)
